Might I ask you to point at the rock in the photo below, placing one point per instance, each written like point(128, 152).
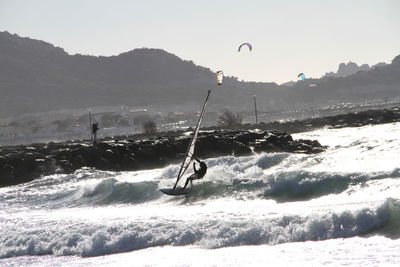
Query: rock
point(129, 164)
point(241, 149)
point(7, 174)
point(78, 162)
point(248, 137)
point(102, 164)
point(65, 166)
point(20, 164)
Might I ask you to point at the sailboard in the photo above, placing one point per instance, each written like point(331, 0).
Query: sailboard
point(188, 157)
point(175, 192)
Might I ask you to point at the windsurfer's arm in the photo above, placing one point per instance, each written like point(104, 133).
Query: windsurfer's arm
point(194, 166)
point(197, 160)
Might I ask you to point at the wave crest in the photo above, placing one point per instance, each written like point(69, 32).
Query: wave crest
point(91, 240)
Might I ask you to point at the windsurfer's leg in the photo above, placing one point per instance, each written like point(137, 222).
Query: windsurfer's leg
point(190, 179)
point(187, 181)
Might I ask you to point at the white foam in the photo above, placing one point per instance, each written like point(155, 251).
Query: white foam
point(95, 213)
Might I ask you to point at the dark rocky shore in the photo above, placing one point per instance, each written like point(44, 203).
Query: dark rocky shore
point(357, 119)
point(19, 164)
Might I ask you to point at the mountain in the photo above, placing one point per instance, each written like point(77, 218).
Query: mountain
point(381, 81)
point(36, 76)
point(344, 70)
point(351, 68)
point(40, 77)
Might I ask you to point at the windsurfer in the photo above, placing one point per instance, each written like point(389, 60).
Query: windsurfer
point(95, 128)
point(198, 173)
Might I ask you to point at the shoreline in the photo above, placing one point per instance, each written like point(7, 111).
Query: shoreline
point(351, 119)
point(24, 163)
point(20, 164)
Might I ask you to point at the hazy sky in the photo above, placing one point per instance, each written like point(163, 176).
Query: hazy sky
point(288, 37)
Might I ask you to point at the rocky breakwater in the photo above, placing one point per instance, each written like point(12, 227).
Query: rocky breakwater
point(19, 164)
point(357, 119)
point(352, 119)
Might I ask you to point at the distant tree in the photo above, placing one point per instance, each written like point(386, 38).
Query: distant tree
point(228, 118)
point(149, 127)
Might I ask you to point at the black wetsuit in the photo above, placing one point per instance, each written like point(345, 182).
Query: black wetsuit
point(95, 128)
point(198, 174)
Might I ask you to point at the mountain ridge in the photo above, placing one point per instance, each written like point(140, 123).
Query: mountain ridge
point(350, 68)
point(36, 76)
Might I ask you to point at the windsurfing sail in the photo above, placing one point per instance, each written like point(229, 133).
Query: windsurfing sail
point(220, 77)
point(190, 150)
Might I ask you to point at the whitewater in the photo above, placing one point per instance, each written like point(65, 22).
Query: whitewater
point(338, 207)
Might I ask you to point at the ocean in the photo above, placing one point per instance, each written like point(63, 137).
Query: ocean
point(339, 207)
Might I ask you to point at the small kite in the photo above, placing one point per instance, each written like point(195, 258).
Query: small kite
point(301, 76)
point(245, 44)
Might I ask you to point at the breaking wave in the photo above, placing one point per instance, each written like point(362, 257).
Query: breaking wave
point(94, 240)
point(228, 177)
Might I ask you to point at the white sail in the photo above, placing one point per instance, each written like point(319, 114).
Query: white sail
point(220, 77)
point(190, 151)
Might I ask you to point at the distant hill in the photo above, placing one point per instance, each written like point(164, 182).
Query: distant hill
point(36, 76)
point(351, 68)
point(344, 70)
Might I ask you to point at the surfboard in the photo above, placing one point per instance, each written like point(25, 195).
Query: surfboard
point(188, 157)
point(175, 192)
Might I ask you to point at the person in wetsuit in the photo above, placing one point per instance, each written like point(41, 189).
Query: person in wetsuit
point(95, 128)
point(198, 173)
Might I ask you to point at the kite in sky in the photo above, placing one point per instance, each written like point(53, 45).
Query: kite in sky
point(301, 76)
point(245, 44)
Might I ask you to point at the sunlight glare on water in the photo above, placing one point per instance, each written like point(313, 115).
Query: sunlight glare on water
point(295, 208)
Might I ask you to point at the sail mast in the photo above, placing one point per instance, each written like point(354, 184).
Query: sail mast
point(190, 150)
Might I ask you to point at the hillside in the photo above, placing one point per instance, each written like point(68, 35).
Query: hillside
point(351, 68)
point(35, 76)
